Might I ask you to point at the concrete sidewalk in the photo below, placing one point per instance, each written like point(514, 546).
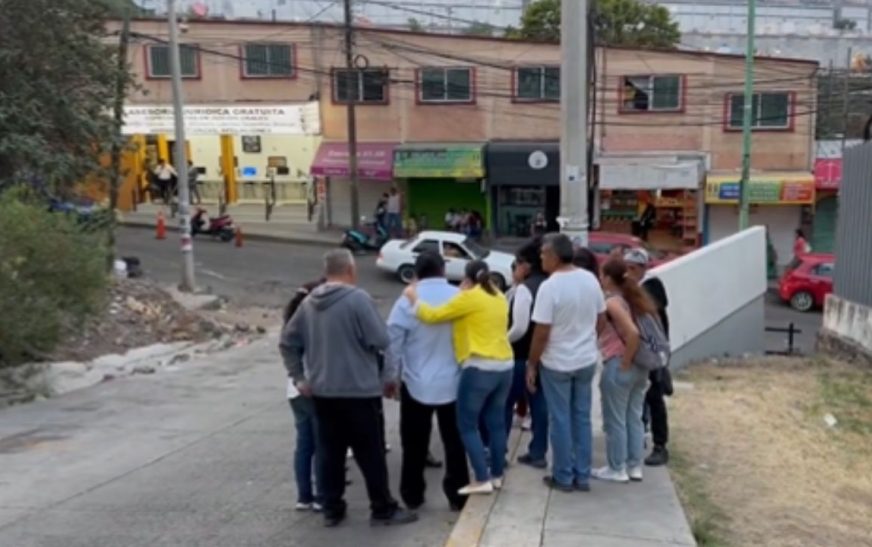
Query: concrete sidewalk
point(525, 513)
point(288, 223)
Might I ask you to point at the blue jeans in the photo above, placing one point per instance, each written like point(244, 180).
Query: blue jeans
point(483, 393)
point(395, 224)
point(569, 397)
point(623, 399)
point(538, 446)
point(306, 450)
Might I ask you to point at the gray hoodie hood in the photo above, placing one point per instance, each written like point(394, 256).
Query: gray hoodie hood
point(329, 294)
point(340, 333)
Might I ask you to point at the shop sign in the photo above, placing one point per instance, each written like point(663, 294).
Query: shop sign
point(762, 191)
point(225, 119)
point(374, 160)
point(447, 162)
point(538, 160)
point(827, 173)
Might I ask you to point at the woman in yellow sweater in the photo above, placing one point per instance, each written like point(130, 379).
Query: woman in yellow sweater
point(479, 316)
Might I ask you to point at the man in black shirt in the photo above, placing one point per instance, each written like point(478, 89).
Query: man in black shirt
point(661, 381)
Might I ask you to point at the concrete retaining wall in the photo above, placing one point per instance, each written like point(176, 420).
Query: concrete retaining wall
point(717, 298)
point(847, 329)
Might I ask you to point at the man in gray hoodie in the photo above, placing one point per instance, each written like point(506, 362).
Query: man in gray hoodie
point(331, 349)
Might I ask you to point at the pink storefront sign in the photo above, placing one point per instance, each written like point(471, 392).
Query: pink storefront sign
point(375, 161)
point(828, 173)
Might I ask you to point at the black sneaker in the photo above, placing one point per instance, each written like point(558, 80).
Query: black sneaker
point(333, 521)
point(581, 486)
point(659, 456)
point(551, 483)
point(527, 459)
point(400, 516)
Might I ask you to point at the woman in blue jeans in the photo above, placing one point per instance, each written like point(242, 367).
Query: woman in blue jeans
point(479, 314)
point(305, 453)
point(623, 383)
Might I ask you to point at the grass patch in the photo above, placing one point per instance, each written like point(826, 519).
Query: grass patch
point(848, 397)
point(707, 520)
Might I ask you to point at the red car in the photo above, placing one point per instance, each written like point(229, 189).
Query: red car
point(602, 243)
point(807, 281)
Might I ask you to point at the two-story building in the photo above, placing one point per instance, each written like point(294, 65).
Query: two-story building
point(467, 122)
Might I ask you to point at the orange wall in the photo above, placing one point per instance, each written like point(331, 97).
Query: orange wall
point(493, 116)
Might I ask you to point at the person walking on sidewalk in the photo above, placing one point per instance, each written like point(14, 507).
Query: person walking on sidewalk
point(340, 332)
point(623, 383)
point(306, 448)
point(395, 213)
point(568, 314)
point(480, 316)
point(425, 356)
point(660, 385)
point(529, 276)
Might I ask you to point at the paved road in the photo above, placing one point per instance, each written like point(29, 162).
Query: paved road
point(258, 274)
point(199, 456)
point(265, 274)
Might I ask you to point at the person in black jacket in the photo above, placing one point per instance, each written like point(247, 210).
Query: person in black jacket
point(661, 380)
point(528, 276)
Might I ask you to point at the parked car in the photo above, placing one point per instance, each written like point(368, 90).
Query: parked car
point(602, 244)
point(398, 256)
point(807, 281)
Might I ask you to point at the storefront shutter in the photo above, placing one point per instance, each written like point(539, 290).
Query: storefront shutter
point(824, 225)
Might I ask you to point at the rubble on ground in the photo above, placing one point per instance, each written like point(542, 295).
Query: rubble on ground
point(138, 313)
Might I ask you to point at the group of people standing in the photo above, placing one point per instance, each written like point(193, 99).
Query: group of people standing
point(470, 355)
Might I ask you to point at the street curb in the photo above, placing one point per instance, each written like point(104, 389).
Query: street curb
point(295, 240)
point(469, 528)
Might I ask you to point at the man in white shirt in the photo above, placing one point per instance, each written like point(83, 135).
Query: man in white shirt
point(569, 312)
point(165, 174)
point(395, 213)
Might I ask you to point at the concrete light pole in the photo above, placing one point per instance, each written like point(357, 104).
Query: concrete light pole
point(573, 111)
point(180, 154)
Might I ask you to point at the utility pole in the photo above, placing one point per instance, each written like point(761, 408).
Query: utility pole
point(747, 119)
point(573, 111)
point(180, 153)
point(845, 86)
point(354, 76)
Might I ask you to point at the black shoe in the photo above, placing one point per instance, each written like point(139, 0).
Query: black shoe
point(527, 459)
point(581, 486)
point(456, 506)
point(333, 521)
point(659, 456)
point(432, 461)
point(551, 483)
point(400, 516)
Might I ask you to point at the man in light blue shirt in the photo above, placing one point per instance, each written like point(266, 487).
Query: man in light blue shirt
point(424, 355)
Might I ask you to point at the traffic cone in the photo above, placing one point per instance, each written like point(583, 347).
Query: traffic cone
point(239, 236)
point(161, 226)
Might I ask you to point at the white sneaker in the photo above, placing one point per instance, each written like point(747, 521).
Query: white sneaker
point(497, 482)
point(635, 473)
point(608, 474)
point(300, 506)
point(317, 507)
point(473, 489)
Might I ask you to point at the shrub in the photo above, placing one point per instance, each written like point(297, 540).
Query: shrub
point(52, 278)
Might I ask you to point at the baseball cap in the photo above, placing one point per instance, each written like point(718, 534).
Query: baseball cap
point(636, 256)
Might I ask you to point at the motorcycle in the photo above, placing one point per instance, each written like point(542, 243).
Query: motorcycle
point(360, 241)
point(220, 227)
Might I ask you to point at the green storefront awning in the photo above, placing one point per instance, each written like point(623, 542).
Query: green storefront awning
point(439, 161)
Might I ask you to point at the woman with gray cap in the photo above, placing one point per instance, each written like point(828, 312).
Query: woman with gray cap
point(637, 261)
